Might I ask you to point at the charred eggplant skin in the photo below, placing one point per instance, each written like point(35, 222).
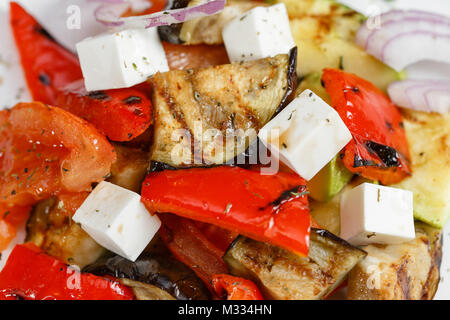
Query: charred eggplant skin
point(171, 33)
point(292, 81)
point(161, 271)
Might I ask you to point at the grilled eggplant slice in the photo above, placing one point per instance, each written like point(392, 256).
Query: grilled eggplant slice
point(206, 30)
point(144, 291)
point(51, 230)
point(155, 269)
point(283, 275)
point(197, 109)
point(407, 271)
point(130, 168)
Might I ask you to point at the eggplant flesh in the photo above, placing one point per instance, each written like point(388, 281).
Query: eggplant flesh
point(130, 168)
point(406, 271)
point(155, 269)
point(206, 30)
point(56, 234)
point(284, 275)
point(198, 110)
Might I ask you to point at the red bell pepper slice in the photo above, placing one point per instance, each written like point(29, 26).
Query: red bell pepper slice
point(222, 238)
point(236, 288)
point(379, 150)
point(190, 245)
point(271, 208)
point(120, 114)
point(47, 66)
point(46, 151)
point(32, 275)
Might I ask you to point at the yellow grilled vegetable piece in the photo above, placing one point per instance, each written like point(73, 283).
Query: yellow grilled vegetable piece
point(429, 144)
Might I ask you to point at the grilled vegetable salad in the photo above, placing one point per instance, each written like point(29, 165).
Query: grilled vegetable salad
point(237, 150)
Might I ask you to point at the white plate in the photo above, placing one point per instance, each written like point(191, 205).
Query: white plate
point(13, 89)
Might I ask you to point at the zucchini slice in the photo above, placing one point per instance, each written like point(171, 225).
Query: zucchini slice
point(283, 275)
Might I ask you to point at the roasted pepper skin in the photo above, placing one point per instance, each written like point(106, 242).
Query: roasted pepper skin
point(270, 208)
point(120, 114)
point(48, 67)
point(379, 149)
point(30, 274)
point(236, 288)
point(54, 77)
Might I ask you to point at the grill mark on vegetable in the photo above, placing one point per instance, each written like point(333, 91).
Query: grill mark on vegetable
point(44, 32)
point(285, 195)
point(178, 115)
point(98, 95)
point(436, 255)
point(404, 280)
point(132, 100)
point(358, 161)
point(389, 126)
point(388, 155)
point(44, 79)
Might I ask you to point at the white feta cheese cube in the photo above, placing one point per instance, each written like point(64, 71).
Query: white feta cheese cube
point(117, 220)
point(306, 135)
point(372, 213)
point(122, 59)
point(259, 33)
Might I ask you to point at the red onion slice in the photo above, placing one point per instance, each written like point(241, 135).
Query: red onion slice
point(371, 26)
point(427, 69)
point(421, 95)
point(406, 37)
point(107, 14)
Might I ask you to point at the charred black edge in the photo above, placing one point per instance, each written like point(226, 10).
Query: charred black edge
point(291, 81)
point(39, 29)
point(171, 33)
point(232, 245)
point(102, 267)
point(156, 166)
point(327, 234)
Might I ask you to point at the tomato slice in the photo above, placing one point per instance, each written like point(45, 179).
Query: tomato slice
point(46, 64)
point(121, 114)
point(379, 150)
point(182, 57)
point(45, 151)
